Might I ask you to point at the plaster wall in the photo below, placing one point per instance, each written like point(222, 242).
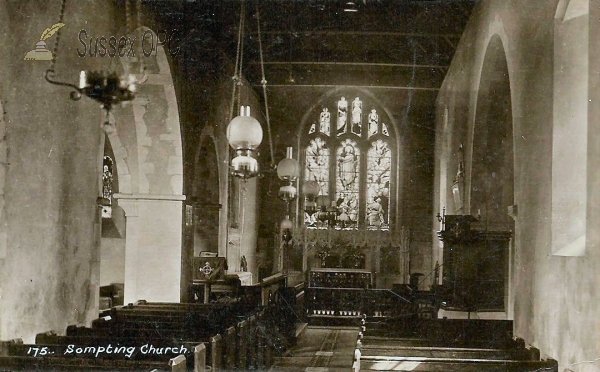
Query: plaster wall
point(556, 297)
point(153, 248)
point(569, 165)
point(49, 270)
point(112, 261)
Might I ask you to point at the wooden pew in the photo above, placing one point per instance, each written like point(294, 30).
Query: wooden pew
point(229, 343)
point(445, 345)
point(385, 350)
point(444, 332)
point(135, 324)
point(241, 345)
point(59, 363)
point(216, 318)
point(185, 321)
point(138, 317)
point(399, 363)
point(50, 342)
point(105, 351)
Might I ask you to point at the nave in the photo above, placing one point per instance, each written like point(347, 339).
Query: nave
point(422, 139)
point(320, 349)
point(437, 345)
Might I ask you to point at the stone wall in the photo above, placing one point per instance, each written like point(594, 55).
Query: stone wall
point(555, 303)
point(49, 271)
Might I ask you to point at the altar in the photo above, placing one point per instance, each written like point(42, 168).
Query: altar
point(384, 253)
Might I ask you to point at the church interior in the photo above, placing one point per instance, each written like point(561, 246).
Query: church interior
point(369, 185)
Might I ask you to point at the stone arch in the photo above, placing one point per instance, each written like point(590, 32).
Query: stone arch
point(120, 153)
point(490, 154)
point(147, 139)
point(149, 155)
point(491, 176)
point(207, 193)
point(496, 32)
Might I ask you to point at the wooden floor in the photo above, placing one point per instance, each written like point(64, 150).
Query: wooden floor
point(320, 349)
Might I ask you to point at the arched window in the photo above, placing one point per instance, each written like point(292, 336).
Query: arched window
point(352, 162)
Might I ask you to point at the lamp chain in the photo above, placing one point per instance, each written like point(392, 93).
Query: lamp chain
point(127, 15)
point(240, 72)
point(62, 16)
point(235, 76)
point(263, 82)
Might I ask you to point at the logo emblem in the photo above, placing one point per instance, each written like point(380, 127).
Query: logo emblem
point(40, 53)
point(206, 270)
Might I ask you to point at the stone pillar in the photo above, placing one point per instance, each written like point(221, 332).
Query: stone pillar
point(242, 240)
point(152, 246)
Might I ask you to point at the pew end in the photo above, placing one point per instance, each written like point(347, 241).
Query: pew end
point(4, 345)
point(178, 364)
point(200, 358)
point(42, 338)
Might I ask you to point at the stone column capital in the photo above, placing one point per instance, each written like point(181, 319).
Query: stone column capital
point(130, 206)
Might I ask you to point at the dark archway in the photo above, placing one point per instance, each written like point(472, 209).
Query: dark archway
point(206, 197)
point(492, 160)
point(490, 177)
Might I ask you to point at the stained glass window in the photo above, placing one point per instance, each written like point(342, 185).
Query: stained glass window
point(379, 166)
point(373, 123)
point(325, 122)
point(384, 130)
point(107, 186)
point(342, 118)
point(357, 181)
point(347, 185)
point(356, 116)
point(317, 164)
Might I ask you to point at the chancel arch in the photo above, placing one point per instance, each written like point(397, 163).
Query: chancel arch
point(149, 135)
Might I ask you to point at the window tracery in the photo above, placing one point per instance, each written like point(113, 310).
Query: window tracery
point(352, 165)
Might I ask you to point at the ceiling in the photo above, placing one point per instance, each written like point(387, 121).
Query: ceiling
point(400, 44)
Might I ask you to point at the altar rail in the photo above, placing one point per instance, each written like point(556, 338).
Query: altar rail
point(332, 306)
